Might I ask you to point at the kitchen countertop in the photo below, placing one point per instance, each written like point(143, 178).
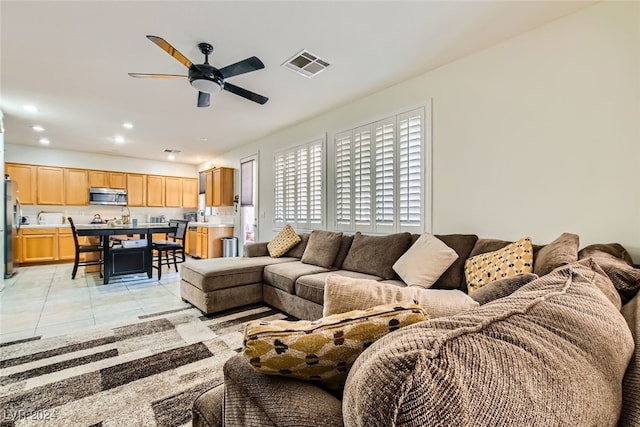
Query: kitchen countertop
point(198, 224)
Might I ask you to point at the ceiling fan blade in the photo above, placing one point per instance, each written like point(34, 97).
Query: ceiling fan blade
point(157, 76)
point(164, 45)
point(203, 99)
point(244, 66)
point(245, 93)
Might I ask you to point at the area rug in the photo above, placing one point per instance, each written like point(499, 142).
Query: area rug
point(143, 374)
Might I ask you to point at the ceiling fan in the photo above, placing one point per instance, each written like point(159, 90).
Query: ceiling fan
point(206, 78)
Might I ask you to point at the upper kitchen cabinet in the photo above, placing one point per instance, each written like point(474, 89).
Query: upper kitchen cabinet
point(173, 192)
point(222, 187)
point(136, 189)
point(104, 179)
point(76, 185)
point(155, 190)
point(50, 186)
point(25, 177)
point(190, 193)
point(208, 192)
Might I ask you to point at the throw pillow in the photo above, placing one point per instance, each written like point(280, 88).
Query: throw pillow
point(322, 350)
point(376, 255)
point(425, 261)
point(322, 248)
point(285, 240)
point(502, 288)
point(562, 251)
point(515, 258)
point(517, 361)
point(615, 261)
point(343, 294)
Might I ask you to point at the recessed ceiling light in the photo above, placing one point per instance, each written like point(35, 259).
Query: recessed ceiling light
point(119, 139)
point(171, 157)
point(203, 139)
point(45, 141)
point(127, 125)
point(199, 159)
point(37, 128)
point(31, 108)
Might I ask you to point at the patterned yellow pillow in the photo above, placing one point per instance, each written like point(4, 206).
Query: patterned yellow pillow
point(323, 350)
point(286, 239)
point(515, 258)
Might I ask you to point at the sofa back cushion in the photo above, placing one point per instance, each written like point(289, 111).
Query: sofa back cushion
point(562, 251)
point(630, 415)
point(453, 278)
point(345, 245)
point(322, 248)
point(298, 250)
point(552, 353)
point(376, 254)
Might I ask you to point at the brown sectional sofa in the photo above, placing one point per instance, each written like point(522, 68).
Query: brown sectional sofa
point(588, 375)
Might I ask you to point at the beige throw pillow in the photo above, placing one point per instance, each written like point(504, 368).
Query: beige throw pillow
point(342, 294)
point(286, 239)
point(425, 261)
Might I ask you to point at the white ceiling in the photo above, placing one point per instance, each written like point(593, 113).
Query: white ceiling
point(71, 59)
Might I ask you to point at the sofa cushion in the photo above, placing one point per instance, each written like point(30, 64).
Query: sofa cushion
point(630, 414)
point(285, 278)
point(552, 353)
point(515, 258)
point(322, 350)
point(616, 263)
point(376, 254)
point(501, 288)
point(298, 250)
point(453, 277)
point(425, 261)
point(284, 240)
point(343, 294)
point(322, 248)
point(221, 273)
point(562, 251)
point(311, 287)
point(345, 245)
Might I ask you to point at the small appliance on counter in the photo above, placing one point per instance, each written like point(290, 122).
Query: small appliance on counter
point(97, 219)
point(156, 219)
point(24, 220)
point(51, 218)
point(191, 216)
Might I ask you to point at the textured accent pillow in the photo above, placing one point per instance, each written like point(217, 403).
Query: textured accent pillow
point(556, 340)
point(501, 288)
point(562, 251)
point(425, 261)
point(322, 248)
point(342, 294)
point(515, 258)
point(376, 255)
point(322, 350)
point(285, 240)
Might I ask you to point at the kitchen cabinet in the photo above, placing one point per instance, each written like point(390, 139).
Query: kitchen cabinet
point(50, 189)
point(39, 244)
point(192, 241)
point(222, 187)
point(105, 179)
point(76, 186)
point(173, 192)
point(66, 245)
point(25, 177)
point(117, 180)
point(208, 192)
point(136, 189)
point(190, 193)
point(155, 190)
point(208, 241)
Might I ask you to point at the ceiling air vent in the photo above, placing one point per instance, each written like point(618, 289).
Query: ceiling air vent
point(305, 63)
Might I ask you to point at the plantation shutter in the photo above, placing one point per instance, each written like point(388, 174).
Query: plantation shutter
point(362, 178)
point(316, 169)
point(290, 187)
point(278, 165)
point(385, 181)
point(343, 180)
point(411, 166)
point(302, 183)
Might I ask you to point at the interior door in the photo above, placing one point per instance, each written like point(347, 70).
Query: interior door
point(249, 199)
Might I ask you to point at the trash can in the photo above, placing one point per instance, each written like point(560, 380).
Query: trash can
point(229, 247)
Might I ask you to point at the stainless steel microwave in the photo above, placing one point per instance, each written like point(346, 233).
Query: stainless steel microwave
point(107, 196)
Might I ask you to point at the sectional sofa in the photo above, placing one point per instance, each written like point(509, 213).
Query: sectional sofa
point(557, 346)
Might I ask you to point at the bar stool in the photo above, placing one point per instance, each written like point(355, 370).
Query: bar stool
point(172, 247)
point(85, 248)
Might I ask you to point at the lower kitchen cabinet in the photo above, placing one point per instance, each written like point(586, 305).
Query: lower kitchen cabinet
point(205, 242)
point(66, 245)
point(39, 244)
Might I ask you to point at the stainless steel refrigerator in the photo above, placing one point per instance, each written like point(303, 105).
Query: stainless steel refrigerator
point(12, 213)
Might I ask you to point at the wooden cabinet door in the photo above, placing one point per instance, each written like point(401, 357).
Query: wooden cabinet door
point(98, 179)
point(76, 185)
point(173, 192)
point(25, 177)
point(66, 245)
point(117, 180)
point(190, 193)
point(155, 190)
point(50, 186)
point(136, 190)
point(208, 192)
point(222, 187)
point(215, 240)
point(40, 245)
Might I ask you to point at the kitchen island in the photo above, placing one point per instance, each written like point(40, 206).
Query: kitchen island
point(125, 260)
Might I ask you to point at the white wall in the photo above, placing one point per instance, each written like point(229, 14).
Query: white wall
point(535, 136)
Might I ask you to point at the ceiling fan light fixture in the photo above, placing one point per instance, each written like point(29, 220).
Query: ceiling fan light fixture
point(206, 85)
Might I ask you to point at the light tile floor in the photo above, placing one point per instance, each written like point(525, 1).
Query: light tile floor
point(45, 301)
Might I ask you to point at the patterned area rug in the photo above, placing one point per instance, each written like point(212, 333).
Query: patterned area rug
point(143, 374)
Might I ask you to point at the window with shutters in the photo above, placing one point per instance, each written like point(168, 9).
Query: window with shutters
point(299, 186)
point(380, 175)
